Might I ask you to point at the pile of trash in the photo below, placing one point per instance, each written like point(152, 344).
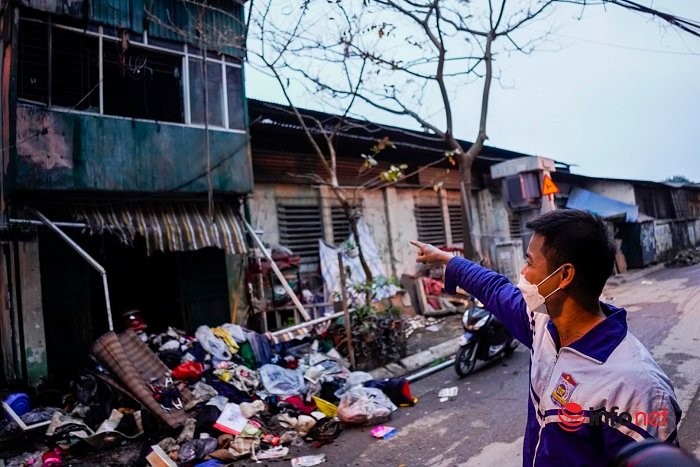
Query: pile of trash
point(218, 396)
point(686, 257)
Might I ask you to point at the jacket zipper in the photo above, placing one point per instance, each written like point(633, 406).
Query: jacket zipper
point(539, 433)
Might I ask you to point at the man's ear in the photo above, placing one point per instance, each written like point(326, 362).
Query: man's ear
point(568, 272)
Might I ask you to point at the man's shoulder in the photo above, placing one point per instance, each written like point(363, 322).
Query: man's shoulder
point(633, 363)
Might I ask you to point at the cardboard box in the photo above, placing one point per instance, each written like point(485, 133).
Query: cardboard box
point(158, 458)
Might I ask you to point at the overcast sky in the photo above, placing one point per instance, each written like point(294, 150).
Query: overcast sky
point(616, 95)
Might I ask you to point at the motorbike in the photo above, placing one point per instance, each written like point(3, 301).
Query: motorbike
point(485, 338)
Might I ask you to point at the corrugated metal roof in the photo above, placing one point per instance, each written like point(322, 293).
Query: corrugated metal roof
point(173, 20)
point(288, 167)
point(176, 20)
point(168, 226)
point(126, 14)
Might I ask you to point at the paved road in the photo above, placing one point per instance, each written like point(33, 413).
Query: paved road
point(483, 425)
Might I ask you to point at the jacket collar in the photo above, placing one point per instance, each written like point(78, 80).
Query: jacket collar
point(599, 342)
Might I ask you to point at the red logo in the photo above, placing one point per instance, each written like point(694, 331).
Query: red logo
point(570, 417)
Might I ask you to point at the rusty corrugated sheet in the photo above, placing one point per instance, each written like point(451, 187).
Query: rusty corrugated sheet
point(168, 226)
point(175, 20)
point(127, 14)
point(287, 168)
point(74, 8)
point(433, 175)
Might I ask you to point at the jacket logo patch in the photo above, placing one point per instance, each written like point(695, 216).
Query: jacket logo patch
point(563, 390)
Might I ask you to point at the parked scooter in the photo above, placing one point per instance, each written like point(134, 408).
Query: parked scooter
point(485, 338)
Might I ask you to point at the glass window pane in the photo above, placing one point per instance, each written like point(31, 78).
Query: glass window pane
point(214, 90)
point(215, 86)
point(234, 96)
point(196, 91)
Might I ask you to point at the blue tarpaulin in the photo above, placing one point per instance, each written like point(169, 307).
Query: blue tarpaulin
point(601, 205)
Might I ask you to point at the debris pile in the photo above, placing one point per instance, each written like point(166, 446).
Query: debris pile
point(686, 257)
point(212, 398)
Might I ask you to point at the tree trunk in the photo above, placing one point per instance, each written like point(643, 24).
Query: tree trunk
point(466, 159)
point(465, 188)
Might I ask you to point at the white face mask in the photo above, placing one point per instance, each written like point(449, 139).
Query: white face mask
point(531, 293)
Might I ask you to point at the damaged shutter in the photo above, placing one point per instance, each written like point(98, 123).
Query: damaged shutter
point(300, 228)
point(515, 225)
point(165, 226)
point(455, 213)
point(430, 224)
point(341, 225)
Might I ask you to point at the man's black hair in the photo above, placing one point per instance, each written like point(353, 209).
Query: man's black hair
point(582, 239)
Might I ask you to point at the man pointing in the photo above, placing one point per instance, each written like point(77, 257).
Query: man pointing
point(583, 360)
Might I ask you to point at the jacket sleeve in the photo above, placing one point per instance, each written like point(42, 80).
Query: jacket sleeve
point(495, 291)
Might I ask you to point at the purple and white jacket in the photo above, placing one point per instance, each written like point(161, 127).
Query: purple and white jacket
point(623, 395)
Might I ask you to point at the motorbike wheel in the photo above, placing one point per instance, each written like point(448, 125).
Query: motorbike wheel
point(465, 361)
point(511, 348)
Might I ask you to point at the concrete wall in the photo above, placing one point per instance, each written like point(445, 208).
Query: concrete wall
point(664, 238)
point(493, 225)
point(620, 191)
point(375, 214)
point(694, 231)
point(32, 311)
point(263, 206)
point(94, 152)
point(390, 214)
point(400, 204)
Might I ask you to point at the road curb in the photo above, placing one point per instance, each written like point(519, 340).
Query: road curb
point(418, 360)
point(630, 276)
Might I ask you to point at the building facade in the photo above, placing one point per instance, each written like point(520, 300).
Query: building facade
point(125, 162)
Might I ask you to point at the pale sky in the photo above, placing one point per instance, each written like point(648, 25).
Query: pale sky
point(616, 94)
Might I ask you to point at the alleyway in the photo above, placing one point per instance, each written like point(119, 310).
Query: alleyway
point(483, 425)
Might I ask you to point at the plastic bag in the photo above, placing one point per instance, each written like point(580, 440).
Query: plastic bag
point(280, 381)
point(356, 378)
point(364, 406)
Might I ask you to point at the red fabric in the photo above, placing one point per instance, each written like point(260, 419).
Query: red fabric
point(298, 402)
point(433, 289)
point(432, 286)
point(188, 371)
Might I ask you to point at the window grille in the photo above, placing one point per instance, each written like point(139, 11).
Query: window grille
point(141, 83)
point(74, 70)
point(455, 213)
point(341, 225)
point(430, 224)
point(33, 82)
point(300, 228)
point(59, 66)
point(514, 226)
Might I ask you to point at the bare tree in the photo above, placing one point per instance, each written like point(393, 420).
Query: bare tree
point(400, 54)
point(411, 58)
point(277, 46)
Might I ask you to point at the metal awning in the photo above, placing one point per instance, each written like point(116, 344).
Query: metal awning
point(605, 207)
point(167, 226)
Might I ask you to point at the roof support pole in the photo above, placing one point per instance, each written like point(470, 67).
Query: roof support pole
point(87, 258)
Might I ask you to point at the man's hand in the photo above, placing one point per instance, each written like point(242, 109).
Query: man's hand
point(430, 254)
